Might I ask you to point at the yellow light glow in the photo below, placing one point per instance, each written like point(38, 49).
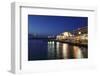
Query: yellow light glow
point(79, 33)
point(65, 33)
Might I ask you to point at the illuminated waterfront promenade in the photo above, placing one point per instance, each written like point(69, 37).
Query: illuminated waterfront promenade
point(72, 42)
point(77, 37)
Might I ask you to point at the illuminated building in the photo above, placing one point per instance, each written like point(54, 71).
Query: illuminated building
point(64, 35)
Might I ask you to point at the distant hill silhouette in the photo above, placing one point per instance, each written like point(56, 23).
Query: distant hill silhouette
point(31, 36)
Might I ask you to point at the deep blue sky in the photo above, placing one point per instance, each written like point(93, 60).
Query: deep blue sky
point(53, 25)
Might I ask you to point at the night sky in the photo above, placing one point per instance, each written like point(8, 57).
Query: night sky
point(54, 25)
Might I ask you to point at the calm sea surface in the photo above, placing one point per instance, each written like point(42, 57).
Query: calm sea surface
point(50, 50)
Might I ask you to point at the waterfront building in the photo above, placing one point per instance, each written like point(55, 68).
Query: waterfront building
point(64, 35)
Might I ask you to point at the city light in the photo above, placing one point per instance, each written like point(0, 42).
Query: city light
point(79, 32)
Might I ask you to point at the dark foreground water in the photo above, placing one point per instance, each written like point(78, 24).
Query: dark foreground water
point(46, 50)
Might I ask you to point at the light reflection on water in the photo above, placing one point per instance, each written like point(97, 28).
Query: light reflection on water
point(77, 52)
point(57, 50)
point(46, 50)
point(51, 50)
point(65, 50)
